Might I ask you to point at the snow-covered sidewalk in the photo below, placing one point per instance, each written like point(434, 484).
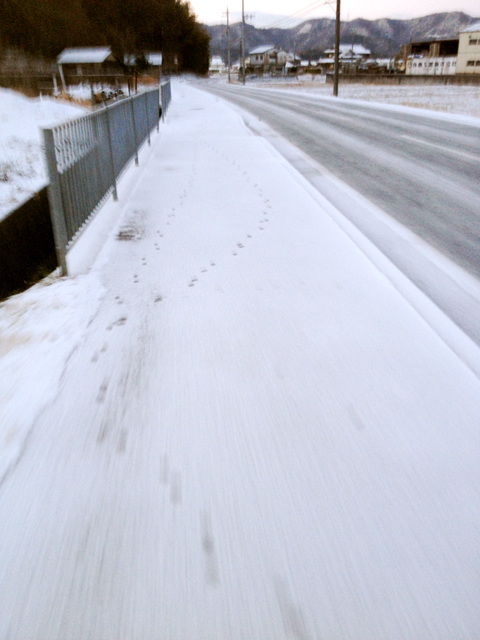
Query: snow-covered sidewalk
point(234, 425)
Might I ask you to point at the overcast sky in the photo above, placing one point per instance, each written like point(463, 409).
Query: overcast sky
point(267, 12)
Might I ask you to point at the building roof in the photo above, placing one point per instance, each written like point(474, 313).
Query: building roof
point(472, 27)
point(263, 48)
point(357, 49)
point(86, 55)
point(216, 61)
point(155, 59)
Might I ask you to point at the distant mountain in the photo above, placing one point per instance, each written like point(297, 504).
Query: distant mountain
point(311, 38)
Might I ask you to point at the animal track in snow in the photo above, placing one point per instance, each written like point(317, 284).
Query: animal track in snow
point(102, 392)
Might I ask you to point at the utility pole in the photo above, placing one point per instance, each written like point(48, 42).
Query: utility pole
point(337, 50)
point(228, 45)
point(228, 42)
point(243, 42)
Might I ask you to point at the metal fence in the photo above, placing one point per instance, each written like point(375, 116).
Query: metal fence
point(165, 97)
point(86, 156)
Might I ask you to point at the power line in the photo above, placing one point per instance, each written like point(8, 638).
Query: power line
point(299, 14)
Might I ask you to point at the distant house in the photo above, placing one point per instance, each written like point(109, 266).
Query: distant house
point(267, 59)
point(350, 56)
point(262, 55)
point(469, 50)
point(326, 64)
point(217, 66)
point(153, 59)
point(430, 57)
point(87, 61)
point(349, 52)
point(293, 58)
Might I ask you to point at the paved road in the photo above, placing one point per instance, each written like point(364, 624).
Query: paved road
point(421, 170)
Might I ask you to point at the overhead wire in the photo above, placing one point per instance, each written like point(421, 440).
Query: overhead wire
point(298, 14)
point(292, 18)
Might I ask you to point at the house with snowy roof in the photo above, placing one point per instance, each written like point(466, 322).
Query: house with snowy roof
point(85, 61)
point(350, 56)
point(262, 55)
point(349, 52)
point(217, 65)
point(267, 58)
point(468, 59)
point(154, 61)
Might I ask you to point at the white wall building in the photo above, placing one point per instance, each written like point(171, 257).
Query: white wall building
point(263, 55)
point(431, 66)
point(217, 66)
point(469, 50)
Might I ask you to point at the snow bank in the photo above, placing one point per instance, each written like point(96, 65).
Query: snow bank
point(22, 170)
point(39, 329)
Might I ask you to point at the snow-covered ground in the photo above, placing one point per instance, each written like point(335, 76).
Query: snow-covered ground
point(462, 100)
point(22, 166)
point(235, 424)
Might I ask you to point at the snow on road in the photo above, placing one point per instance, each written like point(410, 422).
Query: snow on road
point(461, 100)
point(254, 437)
point(22, 169)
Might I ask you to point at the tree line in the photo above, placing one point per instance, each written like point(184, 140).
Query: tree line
point(46, 27)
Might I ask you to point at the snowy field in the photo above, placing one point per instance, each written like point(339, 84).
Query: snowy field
point(234, 425)
point(458, 100)
point(22, 166)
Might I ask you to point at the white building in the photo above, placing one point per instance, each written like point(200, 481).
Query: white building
point(431, 66)
point(350, 52)
point(88, 61)
point(261, 56)
point(469, 50)
point(217, 66)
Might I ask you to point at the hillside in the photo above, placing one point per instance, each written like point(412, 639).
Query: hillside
point(383, 37)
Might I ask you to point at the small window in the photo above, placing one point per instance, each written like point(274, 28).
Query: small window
point(431, 64)
point(470, 63)
point(477, 63)
point(472, 42)
point(448, 64)
point(436, 64)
